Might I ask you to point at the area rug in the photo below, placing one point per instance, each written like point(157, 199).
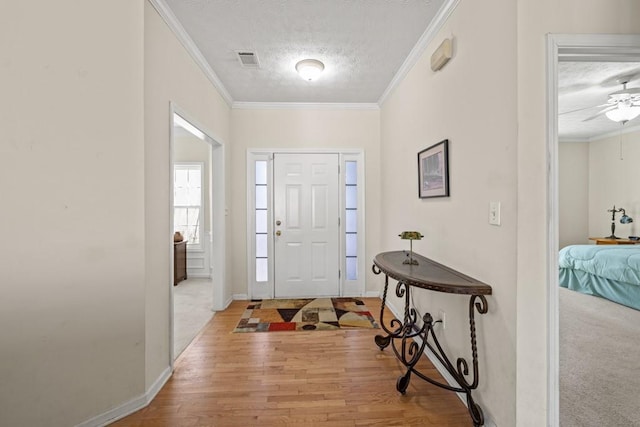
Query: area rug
point(319, 314)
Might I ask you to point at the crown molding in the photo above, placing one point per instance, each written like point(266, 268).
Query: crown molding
point(181, 34)
point(304, 106)
point(427, 37)
point(622, 131)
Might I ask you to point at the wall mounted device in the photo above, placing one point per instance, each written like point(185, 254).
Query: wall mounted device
point(442, 55)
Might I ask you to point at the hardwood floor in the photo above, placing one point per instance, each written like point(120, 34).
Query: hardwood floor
point(315, 378)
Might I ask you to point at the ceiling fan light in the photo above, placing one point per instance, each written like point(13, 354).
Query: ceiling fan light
point(623, 113)
point(309, 69)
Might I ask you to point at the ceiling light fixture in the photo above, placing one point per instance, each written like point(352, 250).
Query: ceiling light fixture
point(309, 69)
point(626, 111)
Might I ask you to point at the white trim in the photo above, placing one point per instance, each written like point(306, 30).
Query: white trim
point(553, 387)
point(427, 37)
point(187, 42)
point(573, 47)
point(439, 366)
point(624, 129)
point(372, 294)
point(131, 406)
point(240, 297)
point(304, 106)
point(305, 150)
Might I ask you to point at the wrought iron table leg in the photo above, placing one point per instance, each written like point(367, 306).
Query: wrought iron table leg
point(410, 352)
point(383, 341)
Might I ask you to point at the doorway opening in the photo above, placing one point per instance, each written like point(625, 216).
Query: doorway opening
point(566, 48)
point(197, 228)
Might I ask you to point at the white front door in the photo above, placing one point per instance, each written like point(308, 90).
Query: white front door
point(306, 215)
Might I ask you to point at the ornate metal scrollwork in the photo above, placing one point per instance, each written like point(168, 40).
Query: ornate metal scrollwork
point(409, 339)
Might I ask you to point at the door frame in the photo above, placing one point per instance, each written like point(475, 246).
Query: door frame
point(266, 290)
point(217, 210)
point(597, 48)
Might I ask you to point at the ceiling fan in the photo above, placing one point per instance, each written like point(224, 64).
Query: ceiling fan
point(622, 105)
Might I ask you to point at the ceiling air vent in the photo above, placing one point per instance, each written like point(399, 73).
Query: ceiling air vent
point(248, 59)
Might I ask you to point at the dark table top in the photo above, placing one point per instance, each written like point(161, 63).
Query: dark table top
point(428, 274)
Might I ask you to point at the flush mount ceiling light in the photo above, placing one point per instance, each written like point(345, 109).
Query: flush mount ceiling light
point(309, 69)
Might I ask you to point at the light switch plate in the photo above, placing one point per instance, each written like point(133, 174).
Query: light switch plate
point(494, 213)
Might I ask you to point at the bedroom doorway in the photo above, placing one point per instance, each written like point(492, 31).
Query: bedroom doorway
point(583, 49)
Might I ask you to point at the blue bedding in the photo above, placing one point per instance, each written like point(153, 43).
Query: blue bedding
point(607, 271)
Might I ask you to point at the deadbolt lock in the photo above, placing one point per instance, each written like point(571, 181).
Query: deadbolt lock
point(278, 222)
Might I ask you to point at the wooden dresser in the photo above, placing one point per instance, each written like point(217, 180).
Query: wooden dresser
point(179, 261)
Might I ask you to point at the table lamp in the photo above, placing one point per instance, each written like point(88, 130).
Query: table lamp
point(410, 236)
point(624, 219)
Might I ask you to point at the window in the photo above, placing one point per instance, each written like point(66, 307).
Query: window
point(261, 213)
point(187, 202)
point(351, 219)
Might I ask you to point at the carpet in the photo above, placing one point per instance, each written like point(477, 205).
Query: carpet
point(599, 362)
point(319, 314)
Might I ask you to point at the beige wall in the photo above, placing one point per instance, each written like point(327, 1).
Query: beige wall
point(573, 193)
point(72, 184)
point(304, 129)
point(613, 180)
point(471, 102)
point(535, 19)
point(170, 75)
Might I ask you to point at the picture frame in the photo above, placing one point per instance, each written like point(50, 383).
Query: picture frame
point(433, 171)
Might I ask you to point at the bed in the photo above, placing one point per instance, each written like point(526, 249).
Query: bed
point(611, 272)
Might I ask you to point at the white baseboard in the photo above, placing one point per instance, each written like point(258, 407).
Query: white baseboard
point(240, 297)
point(440, 367)
point(372, 294)
point(131, 406)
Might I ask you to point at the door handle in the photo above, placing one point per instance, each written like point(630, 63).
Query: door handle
point(278, 222)
point(278, 233)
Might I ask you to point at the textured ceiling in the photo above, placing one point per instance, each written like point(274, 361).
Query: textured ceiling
point(585, 85)
point(363, 44)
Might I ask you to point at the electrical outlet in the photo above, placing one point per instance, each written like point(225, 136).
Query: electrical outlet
point(443, 317)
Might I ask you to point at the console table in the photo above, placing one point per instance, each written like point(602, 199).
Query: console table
point(432, 276)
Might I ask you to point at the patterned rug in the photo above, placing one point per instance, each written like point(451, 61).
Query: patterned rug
point(319, 314)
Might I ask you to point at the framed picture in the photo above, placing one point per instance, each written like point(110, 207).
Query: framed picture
point(433, 171)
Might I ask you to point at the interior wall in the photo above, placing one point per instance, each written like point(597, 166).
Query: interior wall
point(170, 75)
point(472, 103)
point(613, 179)
point(72, 185)
point(302, 129)
point(535, 20)
point(573, 193)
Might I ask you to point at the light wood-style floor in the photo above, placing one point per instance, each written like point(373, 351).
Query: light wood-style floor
point(315, 378)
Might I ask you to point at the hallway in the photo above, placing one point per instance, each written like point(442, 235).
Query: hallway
point(317, 378)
